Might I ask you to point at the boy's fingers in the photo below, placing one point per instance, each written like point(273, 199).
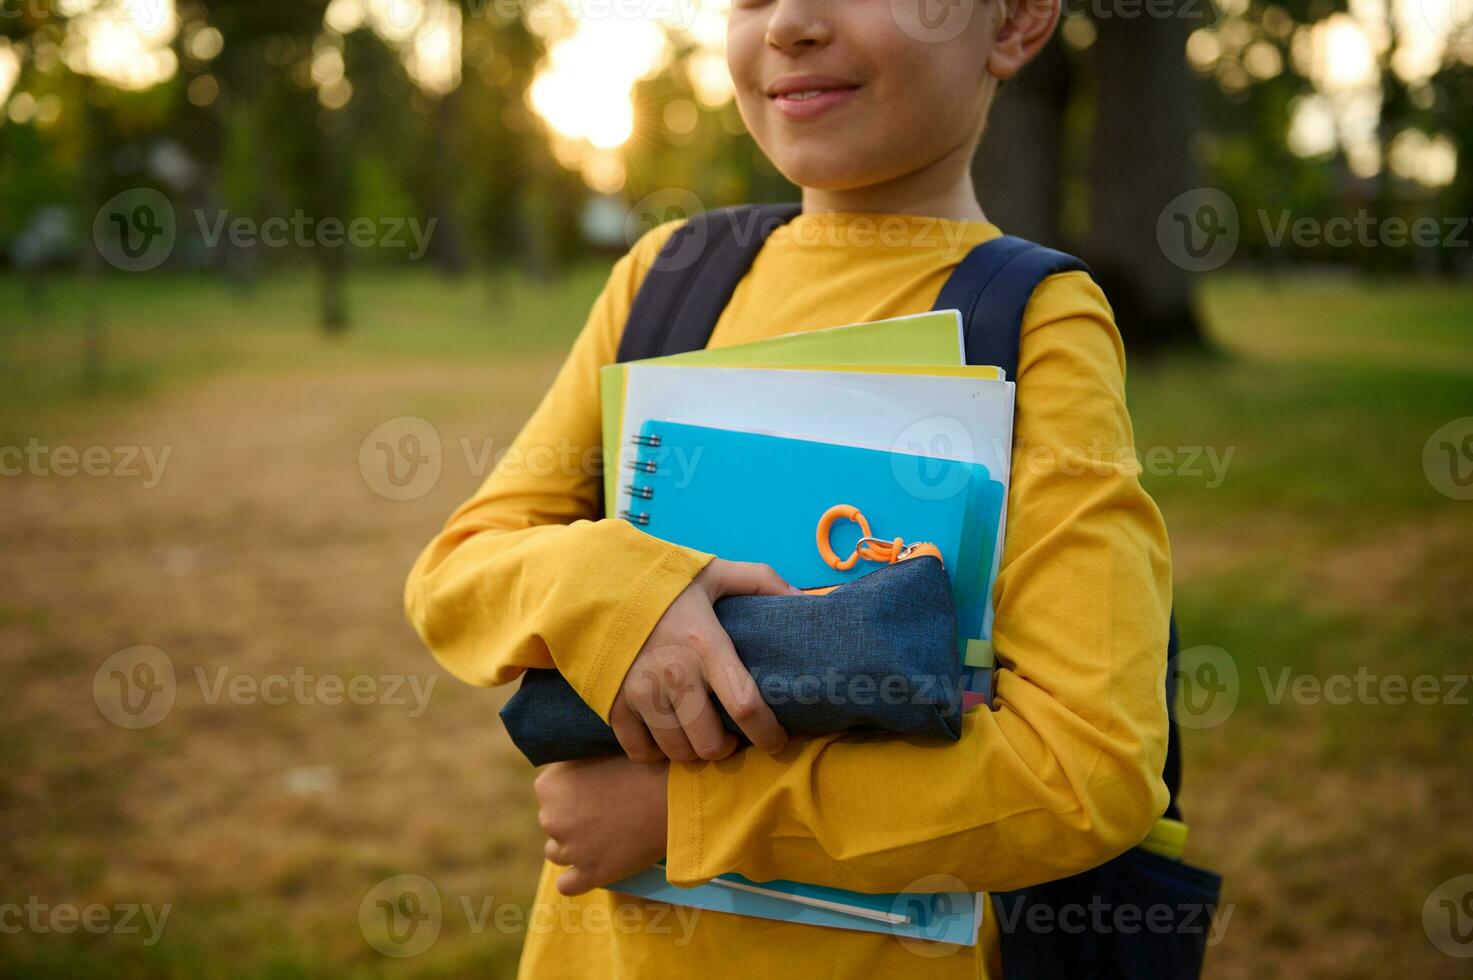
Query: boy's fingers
point(573, 882)
point(669, 735)
point(709, 739)
point(554, 852)
point(738, 693)
point(752, 578)
point(634, 738)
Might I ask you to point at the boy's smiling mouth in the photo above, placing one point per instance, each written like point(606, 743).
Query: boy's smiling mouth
point(802, 97)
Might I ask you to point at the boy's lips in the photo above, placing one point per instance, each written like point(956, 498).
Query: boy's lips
point(800, 97)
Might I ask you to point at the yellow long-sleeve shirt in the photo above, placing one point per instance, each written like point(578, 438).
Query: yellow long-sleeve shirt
point(1061, 775)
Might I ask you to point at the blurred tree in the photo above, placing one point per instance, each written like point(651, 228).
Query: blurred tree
point(1140, 159)
point(1140, 117)
point(1018, 169)
point(266, 68)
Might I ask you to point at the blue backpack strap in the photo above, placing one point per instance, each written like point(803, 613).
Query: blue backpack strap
point(992, 287)
point(694, 276)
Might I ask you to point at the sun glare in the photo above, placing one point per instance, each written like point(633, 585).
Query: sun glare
point(596, 54)
point(125, 44)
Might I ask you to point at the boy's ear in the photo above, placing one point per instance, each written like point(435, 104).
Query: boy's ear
point(1025, 27)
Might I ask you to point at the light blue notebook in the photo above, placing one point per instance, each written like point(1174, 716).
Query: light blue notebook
point(945, 917)
point(752, 497)
point(755, 497)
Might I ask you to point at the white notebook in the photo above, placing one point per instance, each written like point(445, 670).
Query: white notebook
point(964, 418)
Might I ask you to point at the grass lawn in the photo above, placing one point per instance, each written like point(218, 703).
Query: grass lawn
point(1309, 546)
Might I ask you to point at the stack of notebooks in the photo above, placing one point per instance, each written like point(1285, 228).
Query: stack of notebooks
point(738, 451)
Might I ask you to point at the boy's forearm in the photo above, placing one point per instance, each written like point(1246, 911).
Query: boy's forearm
point(1001, 809)
point(524, 573)
point(580, 597)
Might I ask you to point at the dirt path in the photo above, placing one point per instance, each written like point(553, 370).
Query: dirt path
point(261, 559)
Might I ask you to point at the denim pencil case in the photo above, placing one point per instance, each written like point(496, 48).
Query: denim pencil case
point(876, 653)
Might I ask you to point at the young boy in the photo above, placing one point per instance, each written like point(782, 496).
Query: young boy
point(877, 121)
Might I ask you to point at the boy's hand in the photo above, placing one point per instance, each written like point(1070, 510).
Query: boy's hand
point(663, 710)
point(604, 819)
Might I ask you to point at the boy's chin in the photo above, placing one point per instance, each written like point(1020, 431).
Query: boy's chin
point(825, 170)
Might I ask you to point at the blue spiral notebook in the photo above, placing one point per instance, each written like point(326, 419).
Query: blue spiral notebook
point(750, 496)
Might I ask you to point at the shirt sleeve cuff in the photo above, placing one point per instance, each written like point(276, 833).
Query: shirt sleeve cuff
point(647, 599)
point(685, 826)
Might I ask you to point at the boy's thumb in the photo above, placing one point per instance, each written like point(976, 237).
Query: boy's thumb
point(754, 578)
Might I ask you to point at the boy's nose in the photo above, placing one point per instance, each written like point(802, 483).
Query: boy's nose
point(799, 24)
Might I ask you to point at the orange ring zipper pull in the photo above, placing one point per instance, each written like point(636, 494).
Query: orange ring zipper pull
point(825, 529)
point(869, 547)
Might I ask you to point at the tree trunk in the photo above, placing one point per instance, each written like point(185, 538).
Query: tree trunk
point(332, 196)
point(446, 245)
point(1140, 160)
point(94, 175)
point(1018, 168)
